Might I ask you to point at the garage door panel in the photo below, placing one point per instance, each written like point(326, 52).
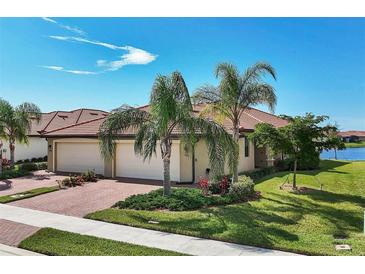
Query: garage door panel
point(79, 157)
point(130, 165)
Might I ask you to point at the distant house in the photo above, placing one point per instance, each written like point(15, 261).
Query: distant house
point(352, 136)
point(37, 146)
point(74, 147)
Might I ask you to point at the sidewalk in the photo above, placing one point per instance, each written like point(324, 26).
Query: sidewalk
point(145, 237)
point(6, 250)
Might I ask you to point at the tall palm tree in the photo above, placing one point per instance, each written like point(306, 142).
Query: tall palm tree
point(235, 93)
point(170, 111)
point(15, 123)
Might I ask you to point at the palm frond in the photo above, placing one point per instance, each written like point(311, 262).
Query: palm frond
point(219, 142)
point(117, 122)
point(258, 93)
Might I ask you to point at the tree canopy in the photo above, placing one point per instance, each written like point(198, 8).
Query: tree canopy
point(304, 137)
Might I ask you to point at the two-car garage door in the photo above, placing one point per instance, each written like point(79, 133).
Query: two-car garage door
point(79, 157)
point(83, 156)
point(130, 165)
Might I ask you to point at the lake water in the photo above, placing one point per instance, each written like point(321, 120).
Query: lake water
point(351, 154)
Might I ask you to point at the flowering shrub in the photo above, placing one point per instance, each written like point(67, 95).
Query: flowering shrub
point(219, 185)
point(203, 184)
point(5, 162)
point(89, 176)
point(243, 189)
point(224, 185)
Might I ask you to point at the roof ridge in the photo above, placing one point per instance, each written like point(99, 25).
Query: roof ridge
point(268, 113)
point(74, 125)
point(94, 109)
point(253, 116)
point(44, 129)
point(78, 118)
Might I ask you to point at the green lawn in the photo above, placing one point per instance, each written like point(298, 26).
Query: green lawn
point(27, 194)
point(307, 223)
point(357, 144)
point(55, 242)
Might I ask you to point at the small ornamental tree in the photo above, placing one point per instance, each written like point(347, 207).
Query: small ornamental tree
point(15, 123)
point(302, 138)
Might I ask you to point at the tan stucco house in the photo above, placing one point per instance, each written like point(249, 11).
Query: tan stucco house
point(37, 145)
point(74, 147)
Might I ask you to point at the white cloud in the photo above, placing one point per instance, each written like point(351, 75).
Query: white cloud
point(134, 56)
point(73, 29)
point(49, 20)
point(81, 72)
point(83, 40)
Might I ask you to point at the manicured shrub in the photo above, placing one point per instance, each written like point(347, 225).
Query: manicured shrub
point(66, 182)
point(259, 173)
point(40, 159)
point(219, 185)
point(307, 161)
point(19, 162)
point(28, 166)
point(45, 158)
point(89, 176)
point(243, 189)
point(76, 181)
point(33, 160)
point(42, 166)
point(26, 161)
point(179, 200)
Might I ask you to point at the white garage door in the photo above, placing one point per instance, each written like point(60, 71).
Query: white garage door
point(79, 157)
point(130, 165)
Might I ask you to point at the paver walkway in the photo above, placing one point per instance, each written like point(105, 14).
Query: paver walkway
point(12, 233)
point(151, 238)
point(6, 250)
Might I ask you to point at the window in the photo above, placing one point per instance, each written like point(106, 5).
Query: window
point(247, 147)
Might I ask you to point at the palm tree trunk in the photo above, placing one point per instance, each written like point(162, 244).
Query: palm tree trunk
point(295, 174)
point(12, 153)
point(236, 136)
point(166, 177)
point(166, 155)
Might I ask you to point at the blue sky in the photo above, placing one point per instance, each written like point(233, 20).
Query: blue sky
point(68, 63)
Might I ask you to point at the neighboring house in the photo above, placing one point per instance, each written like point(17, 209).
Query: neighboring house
point(75, 148)
point(352, 136)
point(37, 146)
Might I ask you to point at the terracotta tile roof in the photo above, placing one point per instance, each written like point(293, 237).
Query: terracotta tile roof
point(249, 119)
point(350, 133)
point(60, 119)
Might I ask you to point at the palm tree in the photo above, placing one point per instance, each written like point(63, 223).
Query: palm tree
point(170, 111)
point(235, 93)
point(15, 123)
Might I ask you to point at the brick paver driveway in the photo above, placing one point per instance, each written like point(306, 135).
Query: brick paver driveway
point(81, 200)
point(37, 179)
point(12, 233)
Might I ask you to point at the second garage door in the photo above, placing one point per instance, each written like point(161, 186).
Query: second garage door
point(130, 165)
point(79, 157)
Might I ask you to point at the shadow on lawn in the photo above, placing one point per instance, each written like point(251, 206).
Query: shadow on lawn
point(240, 223)
point(342, 219)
